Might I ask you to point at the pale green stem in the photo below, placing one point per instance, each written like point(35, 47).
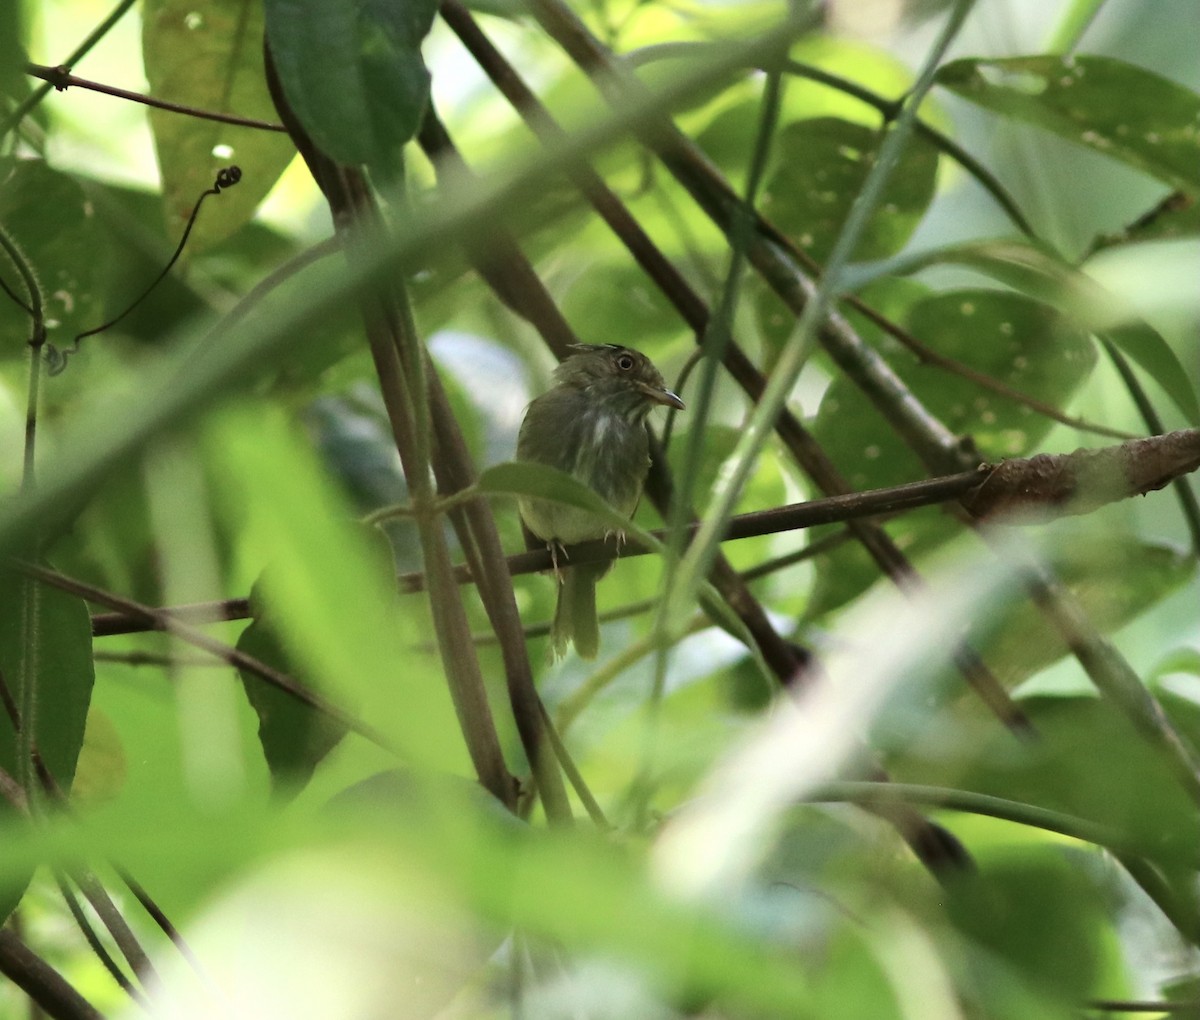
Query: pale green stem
point(698, 559)
point(1071, 26)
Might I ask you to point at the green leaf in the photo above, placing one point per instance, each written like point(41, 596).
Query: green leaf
point(1115, 578)
point(1006, 336)
point(332, 596)
point(46, 641)
point(1042, 275)
point(622, 298)
point(353, 73)
point(61, 669)
point(821, 166)
point(1088, 761)
point(1040, 915)
point(542, 482)
point(209, 56)
point(48, 217)
point(294, 736)
point(1123, 111)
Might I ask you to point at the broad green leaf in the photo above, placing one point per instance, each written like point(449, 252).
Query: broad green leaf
point(1003, 335)
point(51, 221)
point(45, 641)
point(332, 597)
point(1177, 215)
point(1116, 579)
point(820, 167)
point(294, 737)
point(538, 480)
point(1040, 274)
point(1006, 336)
point(1040, 915)
point(353, 74)
point(1088, 761)
point(623, 298)
point(1124, 111)
point(209, 56)
point(61, 665)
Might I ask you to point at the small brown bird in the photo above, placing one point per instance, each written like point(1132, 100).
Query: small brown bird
point(592, 426)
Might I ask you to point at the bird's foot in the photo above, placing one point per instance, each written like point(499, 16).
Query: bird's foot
point(556, 548)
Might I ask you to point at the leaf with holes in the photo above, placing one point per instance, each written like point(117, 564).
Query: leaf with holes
point(820, 168)
point(50, 220)
point(1039, 273)
point(1123, 111)
point(1007, 337)
point(209, 56)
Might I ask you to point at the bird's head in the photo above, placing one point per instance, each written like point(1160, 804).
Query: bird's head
point(618, 378)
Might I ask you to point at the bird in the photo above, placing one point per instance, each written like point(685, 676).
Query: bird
point(592, 425)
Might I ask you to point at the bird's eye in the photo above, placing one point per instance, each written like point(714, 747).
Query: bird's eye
point(625, 362)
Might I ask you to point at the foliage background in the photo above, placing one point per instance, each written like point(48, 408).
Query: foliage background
point(179, 463)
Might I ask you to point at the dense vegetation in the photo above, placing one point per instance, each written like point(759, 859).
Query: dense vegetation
point(892, 731)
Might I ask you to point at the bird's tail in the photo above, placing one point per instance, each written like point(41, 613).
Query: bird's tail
point(575, 615)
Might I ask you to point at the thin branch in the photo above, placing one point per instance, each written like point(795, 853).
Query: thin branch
point(80, 51)
point(401, 365)
point(798, 441)
point(158, 619)
point(93, 940)
point(61, 79)
point(41, 982)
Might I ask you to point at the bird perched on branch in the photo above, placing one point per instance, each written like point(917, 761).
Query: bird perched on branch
point(591, 425)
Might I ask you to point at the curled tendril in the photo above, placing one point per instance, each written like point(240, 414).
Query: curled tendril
point(56, 359)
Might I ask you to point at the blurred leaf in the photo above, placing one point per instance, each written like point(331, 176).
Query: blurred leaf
point(294, 736)
point(1124, 111)
point(849, 570)
point(1006, 336)
point(1042, 275)
point(1088, 761)
point(622, 298)
point(1116, 580)
point(63, 663)
point(332, 596)
point(46, 639)
point(1177, 215)
point(51, 221)
point(820, 168)
point(1038, 914)
point(353, 74)
point(102, 767)
point(209, 56)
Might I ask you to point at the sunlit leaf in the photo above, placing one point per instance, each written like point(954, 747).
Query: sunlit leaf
point(209, 56)
point(1124, 111)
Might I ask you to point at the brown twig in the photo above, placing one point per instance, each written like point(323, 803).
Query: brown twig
point(158, 619)
point(61, 79)
point(41, 982)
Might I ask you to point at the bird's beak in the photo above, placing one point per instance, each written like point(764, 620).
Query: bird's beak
point(663, 396)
